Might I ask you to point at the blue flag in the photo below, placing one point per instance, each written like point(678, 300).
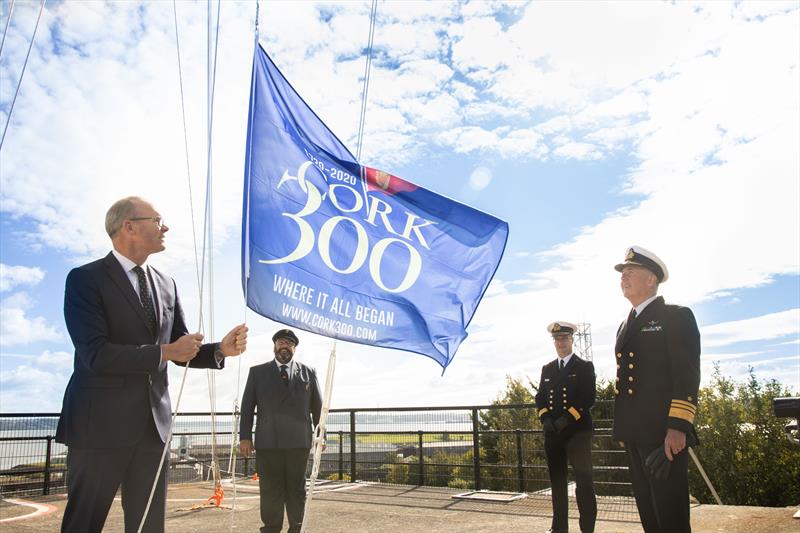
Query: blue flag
point(352, 252)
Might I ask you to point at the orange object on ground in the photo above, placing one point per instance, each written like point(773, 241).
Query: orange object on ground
point(219, 495)
point(255, 476)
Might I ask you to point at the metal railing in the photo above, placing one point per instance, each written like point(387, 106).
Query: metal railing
point(494, 447)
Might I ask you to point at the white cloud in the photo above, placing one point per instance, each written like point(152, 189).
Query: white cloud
point(17, 328)
point(765, 327)
point(12, 276)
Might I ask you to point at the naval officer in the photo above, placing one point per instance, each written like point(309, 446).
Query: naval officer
point(658, 375)
point(566, 393)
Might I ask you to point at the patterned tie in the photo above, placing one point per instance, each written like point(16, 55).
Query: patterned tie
point(146, 298)
point(284, 375)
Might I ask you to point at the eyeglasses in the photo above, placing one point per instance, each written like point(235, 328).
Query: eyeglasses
point(158, 220)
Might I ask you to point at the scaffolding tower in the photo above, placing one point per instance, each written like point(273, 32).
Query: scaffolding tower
point(583, 341)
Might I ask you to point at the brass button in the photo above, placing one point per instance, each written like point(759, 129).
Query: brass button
point(630, 378)
point(616, 390)
point(618, 365)
point(630, 391)
point(618, 380)
point(630, 354)
point(630, 365)
point(619, 355)
point(564, 388)
point(690, 398)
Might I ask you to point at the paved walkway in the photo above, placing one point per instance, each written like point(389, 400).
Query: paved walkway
point(364, 507)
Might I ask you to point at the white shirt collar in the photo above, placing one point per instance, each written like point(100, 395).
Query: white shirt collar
point(127, 264)
point(641, 306)
point(565, 359)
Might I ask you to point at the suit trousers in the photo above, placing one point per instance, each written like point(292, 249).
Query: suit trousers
point(95, 475)
point(282, 484)
point(663, 504)
point(577, 449)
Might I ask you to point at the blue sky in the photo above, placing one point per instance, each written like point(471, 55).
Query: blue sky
point(587, 126)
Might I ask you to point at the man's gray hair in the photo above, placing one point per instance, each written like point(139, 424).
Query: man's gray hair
point(119, 212)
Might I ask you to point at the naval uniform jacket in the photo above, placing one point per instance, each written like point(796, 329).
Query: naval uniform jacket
point(658, 374)
point(569, 392)
point(285, 412)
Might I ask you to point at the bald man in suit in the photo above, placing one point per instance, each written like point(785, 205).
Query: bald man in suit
point(126, 322)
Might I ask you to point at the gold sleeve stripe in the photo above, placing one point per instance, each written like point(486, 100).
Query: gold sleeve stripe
point(574, 412)
point(543, 411)
point(686, 405)
point(682, 414)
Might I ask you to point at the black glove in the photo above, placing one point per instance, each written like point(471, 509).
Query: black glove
point(658, 464)
point(560, 423)
point(547, 425)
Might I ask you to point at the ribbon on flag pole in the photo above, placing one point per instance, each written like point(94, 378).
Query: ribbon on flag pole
point(352, 252)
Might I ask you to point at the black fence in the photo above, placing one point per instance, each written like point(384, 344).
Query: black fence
point(470, 448)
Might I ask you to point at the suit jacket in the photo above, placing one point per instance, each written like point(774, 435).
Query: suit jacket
point(658, 374)
point(285, 412)
point(569, 392)
point(118, 381)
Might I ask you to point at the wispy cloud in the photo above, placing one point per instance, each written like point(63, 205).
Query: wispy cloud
point(765, 327)
point(12, 276)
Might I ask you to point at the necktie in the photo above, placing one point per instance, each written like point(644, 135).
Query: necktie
point(627, 324)
point(146, 298)
point(561, 364)
point(284, 375)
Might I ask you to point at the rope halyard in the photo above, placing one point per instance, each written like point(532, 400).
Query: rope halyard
point(363, 114)
point(319, 436)
point(22, 74)
point(236, 410)
point(218, 495)
point(8, 23)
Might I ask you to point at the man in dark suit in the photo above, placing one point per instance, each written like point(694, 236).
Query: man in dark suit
point(658, 375)
point(565, 396)
point(126, 322)
point(286, 393)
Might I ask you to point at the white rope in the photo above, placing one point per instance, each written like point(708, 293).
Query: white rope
point(207, 230)
point(236, 414)
point(363, 115)
point(22, 74)
point(186, 151)
point(8, 23)
point(319, 436)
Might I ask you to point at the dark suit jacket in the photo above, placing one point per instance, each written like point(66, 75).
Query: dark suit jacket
point(658, 374)
point(570, 392)
point(284, 412)
point(118, 381)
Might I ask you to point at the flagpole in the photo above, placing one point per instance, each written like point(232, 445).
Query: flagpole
point(319, 436)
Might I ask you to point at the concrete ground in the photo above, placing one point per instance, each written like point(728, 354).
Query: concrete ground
point(364, 507)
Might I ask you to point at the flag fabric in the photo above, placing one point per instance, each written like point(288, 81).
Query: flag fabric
point(353, 252)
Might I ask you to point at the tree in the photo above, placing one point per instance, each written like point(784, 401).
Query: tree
point(742, 445)
point(500, 447)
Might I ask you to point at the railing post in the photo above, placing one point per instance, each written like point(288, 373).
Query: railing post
point(476, 450)
point(520, 471)
point(46, 487)
point(421, 477)
point(246, 466)
point(352, 446)
point(341, 455)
